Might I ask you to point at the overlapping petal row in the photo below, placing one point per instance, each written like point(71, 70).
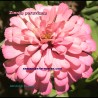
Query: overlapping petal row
point(56, 40)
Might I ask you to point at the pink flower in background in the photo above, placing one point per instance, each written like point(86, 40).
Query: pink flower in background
point(55, 40)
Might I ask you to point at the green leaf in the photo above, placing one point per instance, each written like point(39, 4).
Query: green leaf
point(91, 3)
point(94, 76)
point(1, 43)
point(63, 95)
point(91, 11)
point(29, 4)
point(42, 2)
point(94, 28)
point(73, 87)
point(52, 94)
point(53, 2)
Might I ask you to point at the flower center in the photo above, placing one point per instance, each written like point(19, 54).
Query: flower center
point(47, 37)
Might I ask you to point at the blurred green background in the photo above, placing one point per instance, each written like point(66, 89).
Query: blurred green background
point(82, 88)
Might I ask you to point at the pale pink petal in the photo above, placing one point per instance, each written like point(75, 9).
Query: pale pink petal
point(34, 91)
point(86, 27)
point(44, 46)
point(87, 60)
point(36, 86)
point(11, 76)
point(57, 25)
point(20, 60)
point(33, 28)
point(45, 17)
point(74, 18)
point(80, 21)
point(77, 41)
point(8, 34)
point(73, 66)
point(91, 43)
point(68, 26)
point(43, 25)
point(48, 57)
point(68, 40)
point(75, 49)
point(38, 6)
point(80, 70)
point(61, 75)
point(60, 62)
point(36, 56)
point(30, 80)
point(30, 49)
point(17, 35)
point(61, 82)
point(73, 76)
point(75, 30)
point(56, 64)
point(67, 14)
point(65, 64)
point(25, 15)
point(41, 73)
point(47, 78)
point(61, 49)
point(30, 36)
point(62, 89)
point(18, 22)
point(52, 14)
point(73, 60)
point(84, 45)
point(35, 20)
point(21, 73)
point(10, 66)
point(45, 89)
point(62, 8)
point(11, 50)
point(30, 63)
point(59, 18)
point(88, 73)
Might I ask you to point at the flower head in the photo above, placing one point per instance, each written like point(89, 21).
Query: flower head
point(54, 40)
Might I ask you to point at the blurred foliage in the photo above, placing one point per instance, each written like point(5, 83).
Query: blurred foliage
point(94, 28)
point(82, 88)
point(91, 11)
point(94, 76)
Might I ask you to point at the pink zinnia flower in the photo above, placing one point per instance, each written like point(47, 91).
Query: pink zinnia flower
point(55, 40)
